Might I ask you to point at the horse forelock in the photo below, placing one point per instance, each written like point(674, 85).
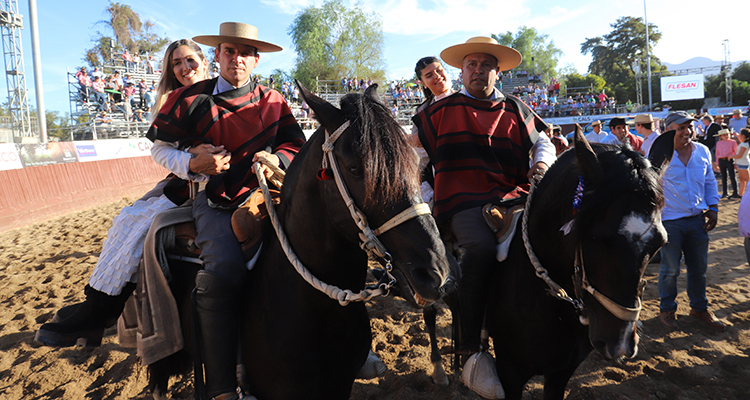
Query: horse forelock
point(390, 164)
point(628, 179)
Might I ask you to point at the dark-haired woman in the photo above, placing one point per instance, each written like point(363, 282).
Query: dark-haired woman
point(436, 86)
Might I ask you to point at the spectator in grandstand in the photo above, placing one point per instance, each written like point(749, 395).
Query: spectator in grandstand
point(150, 65)
point(557, 138)
point(142, 87)
point(84, 84)
point(150, 99)
point(737, 122)
point(99, 95)
point(136, 61)
point(128, 94)
point(343, 84)
point(111, 282)
point(726, 148)
point(620, 134)
point(271, 81)
point(101, 124)
point(644, 126)
point(480, 110)
point(96, 73)
point(128, 59)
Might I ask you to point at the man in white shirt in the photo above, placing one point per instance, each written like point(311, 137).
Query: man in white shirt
point(597, 135)
point(737, 122)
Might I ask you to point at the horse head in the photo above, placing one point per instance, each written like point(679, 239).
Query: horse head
point(608, 226)
point(369, 193)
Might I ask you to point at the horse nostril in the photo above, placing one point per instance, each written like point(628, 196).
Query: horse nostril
point(426, 278)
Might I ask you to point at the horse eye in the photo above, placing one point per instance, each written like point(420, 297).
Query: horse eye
point(356, 171)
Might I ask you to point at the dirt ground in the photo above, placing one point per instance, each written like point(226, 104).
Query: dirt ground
point(45, 266)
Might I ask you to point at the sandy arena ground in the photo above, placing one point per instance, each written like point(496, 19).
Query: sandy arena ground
point(45, 266)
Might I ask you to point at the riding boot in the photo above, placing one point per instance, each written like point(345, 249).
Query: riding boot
point(479, 373)
point(84, 323)
point(216, 302)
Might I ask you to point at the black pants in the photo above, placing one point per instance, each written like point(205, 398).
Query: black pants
point(727, 169)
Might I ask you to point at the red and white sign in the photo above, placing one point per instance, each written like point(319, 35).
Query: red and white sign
point(9, 157)
point(683, 87)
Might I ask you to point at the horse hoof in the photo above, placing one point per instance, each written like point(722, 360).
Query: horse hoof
point(439, 377)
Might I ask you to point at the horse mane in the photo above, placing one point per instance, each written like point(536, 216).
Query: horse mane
point(626, 174)
point(391, 166)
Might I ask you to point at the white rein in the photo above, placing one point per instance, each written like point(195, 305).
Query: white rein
point(370, 242)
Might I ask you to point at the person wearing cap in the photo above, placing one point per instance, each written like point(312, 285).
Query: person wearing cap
point(737, 122)
point(726, 148)
point(484, 146)
point(691, 210)
point(597, 135)
point(644, 126)
point(620, 134)
point(557, 138)
point(241, 119)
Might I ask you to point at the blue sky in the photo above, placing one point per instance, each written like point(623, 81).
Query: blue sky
point(413, 29)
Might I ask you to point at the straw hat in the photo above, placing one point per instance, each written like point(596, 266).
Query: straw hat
point(723, 132)
point(507, 58)
point(595, 123)
point(643, 119)
point(238, 33)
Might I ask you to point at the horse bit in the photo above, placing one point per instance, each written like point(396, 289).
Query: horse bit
point(619, 311)
point(369, 237)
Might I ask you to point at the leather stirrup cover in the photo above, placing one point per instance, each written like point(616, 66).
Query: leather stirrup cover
point(248, 220)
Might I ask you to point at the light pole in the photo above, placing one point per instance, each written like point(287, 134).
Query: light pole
point(648, 56)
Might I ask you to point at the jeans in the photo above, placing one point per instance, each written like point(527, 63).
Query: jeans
point(684, 235)
point(727, 171)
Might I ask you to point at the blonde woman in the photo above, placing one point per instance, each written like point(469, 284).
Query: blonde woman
point(116, 271)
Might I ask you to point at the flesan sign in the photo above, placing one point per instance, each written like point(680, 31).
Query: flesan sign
point(683, 87)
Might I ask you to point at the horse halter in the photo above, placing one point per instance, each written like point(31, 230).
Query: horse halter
point(369, 237)
point(581, 282)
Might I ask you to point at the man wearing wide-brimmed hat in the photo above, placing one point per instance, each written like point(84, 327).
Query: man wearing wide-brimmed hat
point(644, 126)
point(597, 135)
point(241, 120)
point(737, 122)
point(481, 142)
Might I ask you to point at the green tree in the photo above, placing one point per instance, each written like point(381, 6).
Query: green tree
point(618, 55)
point(539, 55)
point(333, 41)
point(124, 31)
point(575, 80)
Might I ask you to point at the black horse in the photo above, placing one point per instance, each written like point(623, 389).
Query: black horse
point(298, 343)
point(594, 221)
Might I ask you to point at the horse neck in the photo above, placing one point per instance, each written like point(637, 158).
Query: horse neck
point(305, 216)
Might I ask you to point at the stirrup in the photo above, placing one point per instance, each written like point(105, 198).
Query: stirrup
point(480, 376)
point(372, 368)
point(503, 222)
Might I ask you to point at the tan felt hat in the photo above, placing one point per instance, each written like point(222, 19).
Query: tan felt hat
point(237, 33)
point(643, 119)
point(507, 58)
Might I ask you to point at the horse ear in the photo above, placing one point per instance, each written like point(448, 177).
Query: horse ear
point(661, 151)
point(325, 112)
point(372, 92)
point(587, 159)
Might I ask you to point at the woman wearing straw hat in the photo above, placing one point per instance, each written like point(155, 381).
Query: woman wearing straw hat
point(726, 148)
point(473, 175)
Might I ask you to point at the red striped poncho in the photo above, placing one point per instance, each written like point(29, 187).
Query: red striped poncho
point(480, 150)
point(244, 120)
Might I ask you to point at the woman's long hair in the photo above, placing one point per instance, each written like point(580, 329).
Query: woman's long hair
point(168, 81)
point(421, 65)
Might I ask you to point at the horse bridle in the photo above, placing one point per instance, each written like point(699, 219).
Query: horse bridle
point(580, 280)
point(369, 237)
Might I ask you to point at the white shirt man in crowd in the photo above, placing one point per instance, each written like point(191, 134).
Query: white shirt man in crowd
point(597, 135)
point(738, 121)
point(644, 126)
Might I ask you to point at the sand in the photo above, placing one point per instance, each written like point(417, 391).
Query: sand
point(45, 266)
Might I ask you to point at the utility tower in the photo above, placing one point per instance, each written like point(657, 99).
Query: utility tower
point(11, 23)
point(726, 68)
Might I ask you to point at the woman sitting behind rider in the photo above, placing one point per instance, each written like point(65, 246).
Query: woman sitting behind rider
point(116, 271)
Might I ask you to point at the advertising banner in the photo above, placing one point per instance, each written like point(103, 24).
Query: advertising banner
point(37, 154)
point(683, 87)
point(97, 150)
point(9, 157)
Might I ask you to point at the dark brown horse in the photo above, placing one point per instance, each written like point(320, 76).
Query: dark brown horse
point(297, 342)
point(594, 221)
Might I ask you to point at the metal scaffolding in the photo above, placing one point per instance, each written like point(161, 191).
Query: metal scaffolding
point(11, 23)
point(726, 68)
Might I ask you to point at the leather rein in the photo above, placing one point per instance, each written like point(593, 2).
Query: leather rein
point(368, 236)
point(580, 280)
